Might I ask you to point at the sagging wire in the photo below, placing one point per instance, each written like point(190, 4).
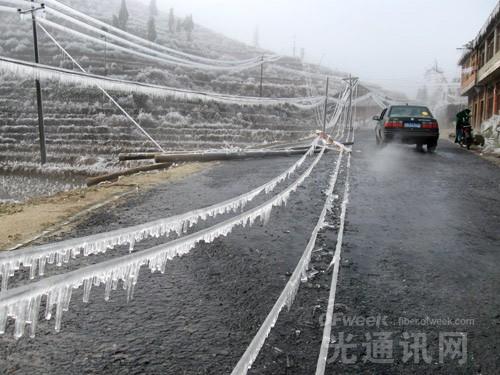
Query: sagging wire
point(104, 91)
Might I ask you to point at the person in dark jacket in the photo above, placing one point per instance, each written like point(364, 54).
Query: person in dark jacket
point(463, 118)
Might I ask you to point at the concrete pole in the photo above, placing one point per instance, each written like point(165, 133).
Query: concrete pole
point(41, 126)
point(261, 74)
point(326, 103)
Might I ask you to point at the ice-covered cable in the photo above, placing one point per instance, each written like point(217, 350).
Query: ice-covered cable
point(325, 343)
point(7, 9)
point(22, 304)
point(17, 3)
point(288, 294)
point(89, 19)
point(306, 73)
point(137, 125)
point(143, 55)
point(35, 258)
point(136, 46)
point(25, 69)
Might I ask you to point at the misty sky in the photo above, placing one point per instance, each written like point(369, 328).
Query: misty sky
point(390, 42)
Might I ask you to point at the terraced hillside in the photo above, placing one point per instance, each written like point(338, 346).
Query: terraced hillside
point(85, 131)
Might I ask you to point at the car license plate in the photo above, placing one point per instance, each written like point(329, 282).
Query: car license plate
point(412, 125)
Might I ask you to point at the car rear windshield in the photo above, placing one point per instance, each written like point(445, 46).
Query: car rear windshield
point(410, 111)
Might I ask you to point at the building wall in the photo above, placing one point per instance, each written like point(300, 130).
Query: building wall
point(481, 74)
point(484, 102)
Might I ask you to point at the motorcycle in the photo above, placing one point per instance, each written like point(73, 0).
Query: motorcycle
point(467, 138)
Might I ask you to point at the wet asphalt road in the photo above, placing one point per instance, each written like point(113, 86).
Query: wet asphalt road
point(199, 316)
point(422, 240)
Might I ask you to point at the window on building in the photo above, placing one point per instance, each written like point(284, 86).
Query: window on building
point(490, 47)
point(480, 116)
point(489, 102)
point(481, 56)
point(498, 38)
point(497, 101)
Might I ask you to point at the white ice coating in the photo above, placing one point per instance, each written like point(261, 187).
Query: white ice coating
point(70, 10)
point(334, 123)
point(170, 59)
point(24, 69)
point(131, 119)
point(290, 291)
point(67, 30)
point(35, 258)
point(17, 3)
point(7, 9)
point(325, 342)
point(22, 304)
point(307, 74)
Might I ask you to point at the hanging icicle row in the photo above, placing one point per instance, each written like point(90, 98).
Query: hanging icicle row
point(59, 253)
point(288, 294)
point(44, 72)
point(22, 304)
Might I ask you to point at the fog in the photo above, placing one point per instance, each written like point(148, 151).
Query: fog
point(389, 42)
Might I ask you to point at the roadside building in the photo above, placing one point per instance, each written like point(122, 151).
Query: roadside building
point(480, 64)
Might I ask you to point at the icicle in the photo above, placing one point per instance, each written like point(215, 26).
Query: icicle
point(35, 308)
point(99, 243)
point(45, 72)
point(20, 316)
point(289, 292)
point(41, 267)
point(87, 285)
point(127, 268)
point(61, 297)
point(5, 275)
point(3, 319)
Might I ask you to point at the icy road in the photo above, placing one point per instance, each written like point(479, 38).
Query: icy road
point(419, 277)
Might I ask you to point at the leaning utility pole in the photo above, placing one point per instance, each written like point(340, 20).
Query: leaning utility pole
point(41, 127)
point(261, 74)
point(352, 81)
point(326, 103)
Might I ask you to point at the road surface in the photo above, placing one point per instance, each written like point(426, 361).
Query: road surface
point(422, 240)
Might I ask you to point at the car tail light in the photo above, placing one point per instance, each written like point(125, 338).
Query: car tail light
point(393, 124)
point(430, 125)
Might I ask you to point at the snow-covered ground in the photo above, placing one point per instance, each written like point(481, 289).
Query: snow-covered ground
point(16, 187)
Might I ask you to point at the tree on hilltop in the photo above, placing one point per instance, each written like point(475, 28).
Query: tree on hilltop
point(171, 20)
point(153, 9)
point(152, 29)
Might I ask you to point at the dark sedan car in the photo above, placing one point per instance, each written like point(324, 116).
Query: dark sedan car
point(407, 124)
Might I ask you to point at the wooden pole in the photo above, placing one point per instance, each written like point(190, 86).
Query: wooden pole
point(214, 156)
point(114, 176)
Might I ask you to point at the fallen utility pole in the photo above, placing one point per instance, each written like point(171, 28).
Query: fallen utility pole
point(136, 156)
point(114, 176)
point(41, 126)
point(213, 156)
